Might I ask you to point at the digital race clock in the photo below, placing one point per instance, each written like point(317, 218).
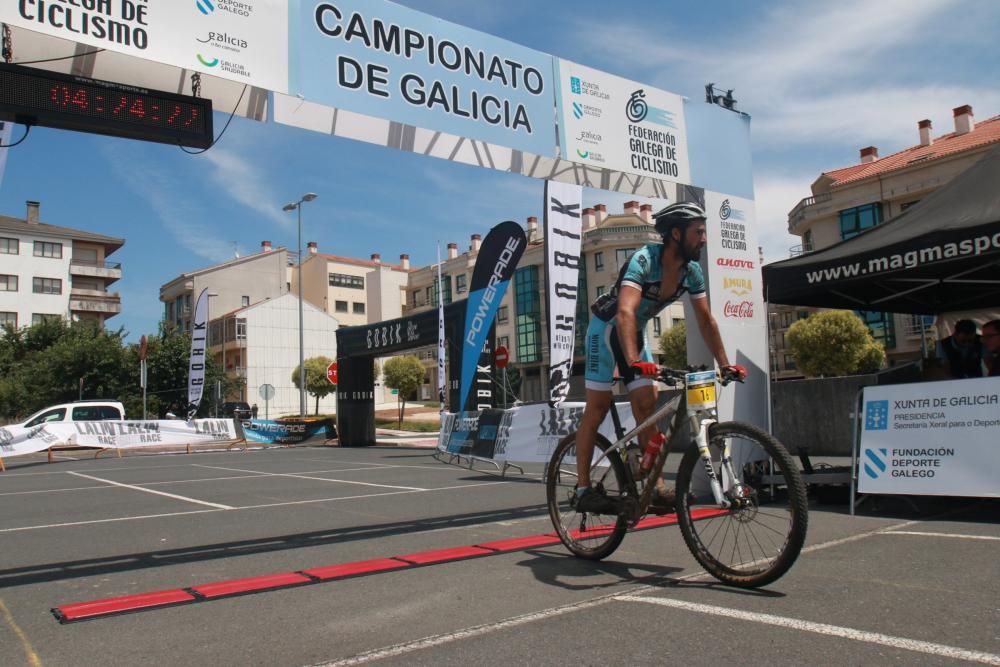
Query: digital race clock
point(37, 97)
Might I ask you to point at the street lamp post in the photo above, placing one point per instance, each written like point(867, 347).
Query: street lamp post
point(297, 206)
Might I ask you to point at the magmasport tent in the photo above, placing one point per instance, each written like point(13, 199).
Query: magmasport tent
point(940, 255)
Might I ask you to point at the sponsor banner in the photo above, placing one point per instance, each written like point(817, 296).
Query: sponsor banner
point(562, 269)
point(196, 363)
point(238, 40)
point(613, 123)
point(931, 438)
point(734, 277)
point(495, 264)
point(388, 61)
point(16, 441)
point(287, 431)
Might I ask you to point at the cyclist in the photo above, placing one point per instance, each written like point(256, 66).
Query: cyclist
point(655, 276)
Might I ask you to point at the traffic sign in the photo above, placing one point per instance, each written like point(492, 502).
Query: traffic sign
point(501, 357)
point(331, 372)
point(267, 391)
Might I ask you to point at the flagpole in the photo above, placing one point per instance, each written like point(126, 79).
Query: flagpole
point(441, 379)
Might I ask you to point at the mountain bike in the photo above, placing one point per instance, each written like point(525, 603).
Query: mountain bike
point(740, 499)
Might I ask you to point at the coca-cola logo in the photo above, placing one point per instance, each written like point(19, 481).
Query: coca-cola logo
point(731, 263)
point(739, 309)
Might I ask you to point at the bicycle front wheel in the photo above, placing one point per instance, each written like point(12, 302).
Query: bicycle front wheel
point(591, 536)
point(755, 541)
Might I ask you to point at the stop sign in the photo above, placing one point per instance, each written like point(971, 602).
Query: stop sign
point(501, 357)
point(331, 372)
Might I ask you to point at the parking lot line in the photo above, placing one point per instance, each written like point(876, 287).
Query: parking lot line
point(854, 634)
point(153, 491)
point(320, 479)
point(955, 535)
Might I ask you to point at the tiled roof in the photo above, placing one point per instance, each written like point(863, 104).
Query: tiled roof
point(362, 262)
point(985, 132)
point(23, 226)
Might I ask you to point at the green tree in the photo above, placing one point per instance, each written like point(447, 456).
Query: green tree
point(316, 383)
point(673, 345)
point(404, 374)
point(832, 343)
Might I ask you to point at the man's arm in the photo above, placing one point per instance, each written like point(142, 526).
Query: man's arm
point(709, 330)
point(629, 298)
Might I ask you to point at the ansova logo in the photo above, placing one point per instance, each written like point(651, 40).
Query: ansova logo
point(206, 7)
point(208, 62)
point(874, 463)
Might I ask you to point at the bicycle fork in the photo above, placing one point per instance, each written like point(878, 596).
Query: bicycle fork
point(699, 427)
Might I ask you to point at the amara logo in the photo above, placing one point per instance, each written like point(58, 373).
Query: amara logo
point(874, 463)
point(206, 62)
point(877, 416)
point(206, 7)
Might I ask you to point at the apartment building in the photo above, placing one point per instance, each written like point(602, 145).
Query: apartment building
point(847, 201)
point(608, 242)
point(52, 271)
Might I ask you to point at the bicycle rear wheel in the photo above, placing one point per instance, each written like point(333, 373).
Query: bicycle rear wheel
point(591, 536)
point(755, 541)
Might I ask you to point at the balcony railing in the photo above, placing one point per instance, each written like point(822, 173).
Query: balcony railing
point(799, 212)
point(93, 269)
point(96, 264)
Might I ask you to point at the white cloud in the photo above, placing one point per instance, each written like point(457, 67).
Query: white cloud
point(776, 195)
point(246, 183)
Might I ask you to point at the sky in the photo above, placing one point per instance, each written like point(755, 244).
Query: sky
point(819, 80)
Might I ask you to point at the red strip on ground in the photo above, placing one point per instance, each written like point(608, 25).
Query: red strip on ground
point(250, 585)
point(352, 569)
point(444, 555)
point(518, 543)
point(79, 611)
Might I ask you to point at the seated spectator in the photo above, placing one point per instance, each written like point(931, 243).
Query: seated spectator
point(991, 341)
point(962, 352)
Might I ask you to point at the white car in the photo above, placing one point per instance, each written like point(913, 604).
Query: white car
point(77, 411)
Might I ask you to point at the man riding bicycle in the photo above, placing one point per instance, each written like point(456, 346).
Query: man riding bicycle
point(655, 276)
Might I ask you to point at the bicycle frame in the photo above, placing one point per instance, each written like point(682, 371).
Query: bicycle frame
point(700, 423)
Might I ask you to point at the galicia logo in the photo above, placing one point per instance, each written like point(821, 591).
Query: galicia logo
point(583, 154)
point(636, 107)
point(877, 416)
point(206, 7)
point(574, 85)
point(874, 462)
point(577, 110)
point(208, 62)
point(222, 38)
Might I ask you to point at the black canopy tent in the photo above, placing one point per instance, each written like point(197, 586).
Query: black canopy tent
point(941, 255)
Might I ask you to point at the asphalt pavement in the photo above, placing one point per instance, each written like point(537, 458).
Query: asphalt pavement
point(912, 584)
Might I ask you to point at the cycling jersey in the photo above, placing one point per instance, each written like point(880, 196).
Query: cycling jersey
point(643, 271)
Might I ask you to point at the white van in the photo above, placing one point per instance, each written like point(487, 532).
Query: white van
point(77, 411)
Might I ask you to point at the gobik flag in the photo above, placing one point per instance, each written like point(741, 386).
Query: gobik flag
point(498, 257)
point(196, 365)
point(562, 269)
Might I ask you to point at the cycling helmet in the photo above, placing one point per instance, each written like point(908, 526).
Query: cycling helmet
point(677, 215)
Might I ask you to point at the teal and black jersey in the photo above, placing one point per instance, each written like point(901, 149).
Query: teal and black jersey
point(644, 271)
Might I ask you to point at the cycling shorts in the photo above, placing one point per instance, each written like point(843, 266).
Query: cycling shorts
point(604, 353)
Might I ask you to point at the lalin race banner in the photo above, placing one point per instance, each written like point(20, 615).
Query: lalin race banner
point(931, 438)
point(563, 233)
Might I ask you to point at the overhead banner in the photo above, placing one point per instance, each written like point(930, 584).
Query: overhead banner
point(388, 61)
point(563, 232)
point(196, 363)
point(238, 40)
point(16, 441)
point(614, 123)
point(498, 256)
point(931, 438)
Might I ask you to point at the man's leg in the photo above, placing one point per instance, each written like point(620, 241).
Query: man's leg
point(598, 404)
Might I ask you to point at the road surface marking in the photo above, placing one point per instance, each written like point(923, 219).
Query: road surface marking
point(153, 491)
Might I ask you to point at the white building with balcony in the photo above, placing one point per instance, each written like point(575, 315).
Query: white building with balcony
point(49, 271)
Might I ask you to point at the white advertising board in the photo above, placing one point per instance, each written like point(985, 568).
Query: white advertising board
point(614, 123)
point(931, 438)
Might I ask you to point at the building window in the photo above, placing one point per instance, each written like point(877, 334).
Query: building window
point(45, 249)
point(8, 318)
point(622, 255)
point(241, 329)
point(46, 286)
point(244, 301)
point(855, 220)
point(807, 241)
point(9, 246)
point(502, 315)
point(599, 261)
point(881, 325)
point(432, 291)
point(344, 280)
point(790, 363)
point(359, 308)
point(8, 283)
point(528, 304)
point(656, 326)
point(460, 283)
point(340, 306)
point(38, 318)
point(503, 341)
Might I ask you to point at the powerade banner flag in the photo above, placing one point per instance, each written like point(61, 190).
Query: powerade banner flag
point(562, 268)
point(498, 257)
point(196, 365)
